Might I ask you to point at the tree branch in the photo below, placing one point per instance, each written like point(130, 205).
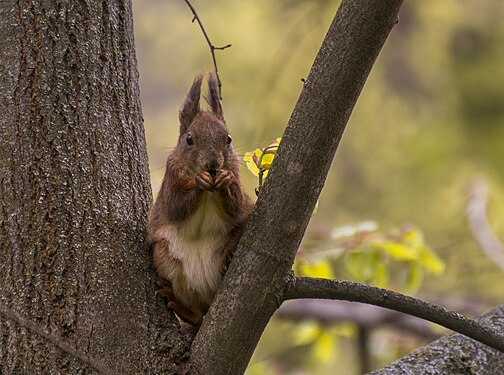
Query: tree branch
point(479, 225)
point(253, 286)
point(56, 341)
point(305, 287)
point(210, 44)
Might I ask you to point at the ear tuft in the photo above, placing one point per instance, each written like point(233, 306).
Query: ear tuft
point(214, 96)
point(191, 104)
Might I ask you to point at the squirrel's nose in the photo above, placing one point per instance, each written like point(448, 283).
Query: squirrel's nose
point(212, 167)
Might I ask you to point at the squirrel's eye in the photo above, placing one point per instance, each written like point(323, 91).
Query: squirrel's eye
point(189, 139)
point(229, 139)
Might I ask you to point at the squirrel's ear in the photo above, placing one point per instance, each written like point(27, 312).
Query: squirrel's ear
point(214, 96)
point(191, 104)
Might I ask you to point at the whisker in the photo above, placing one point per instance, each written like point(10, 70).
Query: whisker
point(245, 146)
point(249, 144)
point(241, 149)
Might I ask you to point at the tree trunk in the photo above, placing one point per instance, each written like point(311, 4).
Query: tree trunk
point(75, 192)
point(77, 292)
point(454, 354)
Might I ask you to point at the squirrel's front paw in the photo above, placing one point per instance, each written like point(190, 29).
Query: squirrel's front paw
point(223, 179)
point(204, 181)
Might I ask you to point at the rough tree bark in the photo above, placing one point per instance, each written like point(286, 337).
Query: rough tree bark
point(454, 354)
point(254, 285)
point(75, 192)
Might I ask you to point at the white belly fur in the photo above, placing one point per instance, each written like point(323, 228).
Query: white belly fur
point(195, 242)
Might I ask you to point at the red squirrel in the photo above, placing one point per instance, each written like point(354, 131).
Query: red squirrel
point(201, 209)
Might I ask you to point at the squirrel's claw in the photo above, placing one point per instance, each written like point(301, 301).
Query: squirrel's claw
point(223, 179)
point(204, 181)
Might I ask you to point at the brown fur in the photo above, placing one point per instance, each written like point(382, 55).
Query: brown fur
point(201, 202)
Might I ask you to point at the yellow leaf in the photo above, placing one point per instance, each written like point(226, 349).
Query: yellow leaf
point(324, 348)
point(262, 159)
point(345, 329)
point(397, 250)
point(413, 237)
point(321, 269)
point(315, 209)
point(306, 333)
point(296, 267)
point(251, 159)
point(431, 261)
point(266, 161)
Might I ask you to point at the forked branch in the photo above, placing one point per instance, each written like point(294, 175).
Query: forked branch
point(210, 44)
point(252, 288)
point(305, 287)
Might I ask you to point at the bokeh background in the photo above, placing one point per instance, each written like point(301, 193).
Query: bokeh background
point(429, 122)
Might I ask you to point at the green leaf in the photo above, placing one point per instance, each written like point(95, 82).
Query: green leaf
point(414, 278)
point(361, 264)
point(381, 277)
point(431, 261)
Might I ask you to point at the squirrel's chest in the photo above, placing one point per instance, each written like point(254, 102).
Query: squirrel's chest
point(205, 222)
point(197, 243)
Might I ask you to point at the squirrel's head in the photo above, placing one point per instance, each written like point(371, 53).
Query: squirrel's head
point(204, 139)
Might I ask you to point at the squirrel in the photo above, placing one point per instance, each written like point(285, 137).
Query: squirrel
point(201, 209)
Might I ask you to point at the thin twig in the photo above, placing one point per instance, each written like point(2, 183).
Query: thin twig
point(263, 170)
point(210, 44)
point(305, 287)
point(56, 341)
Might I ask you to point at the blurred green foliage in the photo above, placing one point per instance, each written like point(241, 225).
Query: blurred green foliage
point(430, 118)
point(360, 252)
point(397, 260)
